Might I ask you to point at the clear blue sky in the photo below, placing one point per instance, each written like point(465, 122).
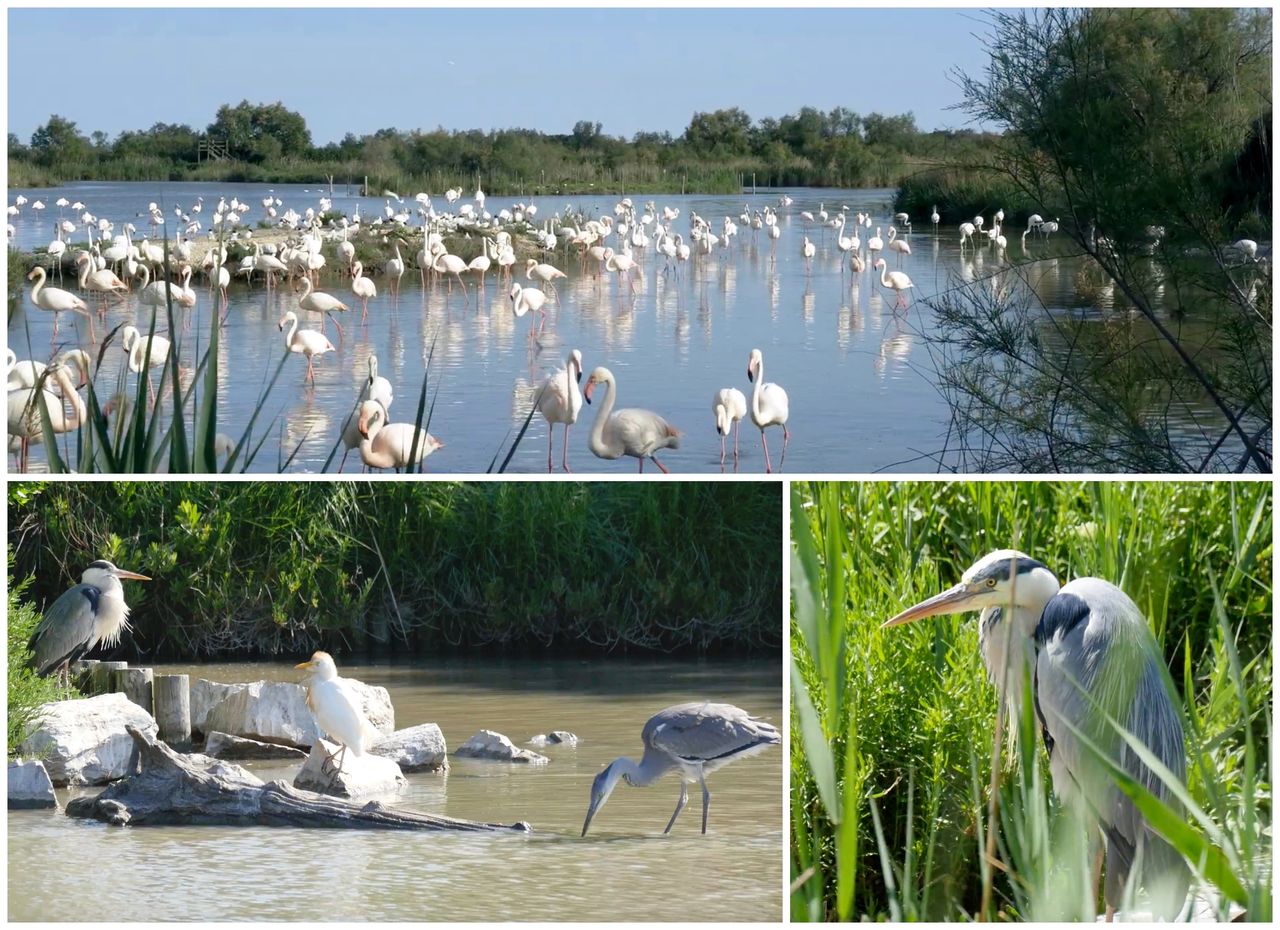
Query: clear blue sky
point(362, 70)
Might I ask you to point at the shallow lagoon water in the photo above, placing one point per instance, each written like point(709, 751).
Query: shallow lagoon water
point(625, 869)
point(861, 382)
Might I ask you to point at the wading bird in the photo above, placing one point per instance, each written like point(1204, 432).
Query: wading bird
point(730, 406)
point(769, 405)
point(560, 400)
point(306, 342)
point(630, 431)
point(1093, 660)
point(337, 710)
point(92, 612)
point(691, 739)
point(898, 280)
point(56, 300)
point(392, 445)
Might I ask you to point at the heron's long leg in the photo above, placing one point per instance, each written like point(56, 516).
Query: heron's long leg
point(706, 800)
point(684, 799)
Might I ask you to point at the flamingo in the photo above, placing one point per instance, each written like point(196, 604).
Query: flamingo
point(101, 282)
point(875, 244)
point(375, 388)
point(897, 280)
point(391, 445)
point(56, 300)
point(395, 268)
point(346, 251)
point(621, 263)
point(769, 405)
point(808, 250)
point(153, 294)
point(308, 342)
point(362, 287)
point(935, 219)
point(901, 246)
point(319, 302)
point(547, 274)
point(560, 401)
point(966, 232)
point(730, 406)
point(145, 352)
point(481, 264)
point(25, 420)
point(57, 248)
point(26, 373)
point(630, 431)
point(451, 264)
point(528, 299)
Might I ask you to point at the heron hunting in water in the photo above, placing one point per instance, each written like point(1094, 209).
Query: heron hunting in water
point(693, 740)
point(1093, 660)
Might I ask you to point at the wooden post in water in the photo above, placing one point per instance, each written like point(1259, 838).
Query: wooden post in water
point(173, 709)
point(136, 684)
point(100, 676)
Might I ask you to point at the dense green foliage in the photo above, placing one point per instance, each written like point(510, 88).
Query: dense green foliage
point(26, 691)
point(909, 716)
point(720, 152)
point(260, 568)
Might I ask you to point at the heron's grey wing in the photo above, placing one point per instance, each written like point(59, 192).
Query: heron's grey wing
point(1096, 658)
point(708, 732)
point(67, 628)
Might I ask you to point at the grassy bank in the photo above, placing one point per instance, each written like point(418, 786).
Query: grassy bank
point(898, 744)
point(265, 568)
point(960, 194)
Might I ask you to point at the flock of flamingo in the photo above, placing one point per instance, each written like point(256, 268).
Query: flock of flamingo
point(115, 270)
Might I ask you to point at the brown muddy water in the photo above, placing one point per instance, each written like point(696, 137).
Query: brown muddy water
point(71, 870)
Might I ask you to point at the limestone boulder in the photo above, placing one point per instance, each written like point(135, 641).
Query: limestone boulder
point(277, 712)
point(497, 748)
point(84, 742)
point(30, 786)
point(205, 696)
point(415, 749)
point(225, 746)
point(360, 776)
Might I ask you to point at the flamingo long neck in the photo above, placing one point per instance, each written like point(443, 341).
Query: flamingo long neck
point(77, 405)
point(146, 276)
point(884, 275)
point(571, 385)
point(599, 444)
point(293, 328)
point(756, 392)
point(37, 287)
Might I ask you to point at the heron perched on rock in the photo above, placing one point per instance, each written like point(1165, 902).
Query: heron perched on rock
point(337, 709)
point(1093, 660)
point(85, 615)
point(693, 740)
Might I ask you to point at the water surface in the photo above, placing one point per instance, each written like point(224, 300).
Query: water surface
point(625, 869)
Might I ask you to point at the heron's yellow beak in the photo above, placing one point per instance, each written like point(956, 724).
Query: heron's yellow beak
point(120, 572)
point(954, 600)
point(308, 664)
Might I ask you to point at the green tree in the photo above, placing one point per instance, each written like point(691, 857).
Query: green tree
point(246, 124)
point(723, 132)
point(58, 141)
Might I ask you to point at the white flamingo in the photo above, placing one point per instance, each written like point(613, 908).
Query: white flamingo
point(769, 406)
point(560, 401)
point(897, 280)
point(630, 431)
point(314, 301)
point(395, 268)
point(528, 300)
point(730, 406)
point(26, 423)
point(391, 445)
point(901, 246)
point(307, 342)
point(362, 287)
point(56, 301)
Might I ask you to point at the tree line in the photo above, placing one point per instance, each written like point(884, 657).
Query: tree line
point(718, 150)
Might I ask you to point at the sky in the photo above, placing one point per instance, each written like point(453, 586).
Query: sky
point(360, 70)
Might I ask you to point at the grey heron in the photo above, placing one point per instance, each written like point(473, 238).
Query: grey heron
point(1091, 656)
point(692, 739)
point(92, 612)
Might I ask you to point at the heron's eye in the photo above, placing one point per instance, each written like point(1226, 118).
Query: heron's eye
point(991, 582)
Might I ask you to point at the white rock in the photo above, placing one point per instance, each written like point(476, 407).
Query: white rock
point(361, 776)
point(554, 738)
point(84, 742)
point(205, 696)
point(415, 749)
point(277, 712)
point(30, 786)
point(490, 745)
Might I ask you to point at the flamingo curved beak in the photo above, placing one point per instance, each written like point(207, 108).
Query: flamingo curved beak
point(586, 394)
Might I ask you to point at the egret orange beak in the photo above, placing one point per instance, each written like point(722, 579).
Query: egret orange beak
point(121, 573)
point(307, 665)
point(954, 600)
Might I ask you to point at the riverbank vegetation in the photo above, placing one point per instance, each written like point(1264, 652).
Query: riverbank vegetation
point(1143, 135)
point(250, 569)
point(26, 691)
point(893, 729)
point(719, 152)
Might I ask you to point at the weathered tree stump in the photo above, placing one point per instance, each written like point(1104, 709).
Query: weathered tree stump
point(136, 685)
point(172, 789)
point(100, 676)
point(172, 694)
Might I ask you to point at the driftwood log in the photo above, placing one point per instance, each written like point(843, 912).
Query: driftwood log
point(169, 788)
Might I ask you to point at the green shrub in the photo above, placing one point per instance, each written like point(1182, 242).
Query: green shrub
point(27, 691)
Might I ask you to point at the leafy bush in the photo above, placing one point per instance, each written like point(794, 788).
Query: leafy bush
point(27, 691)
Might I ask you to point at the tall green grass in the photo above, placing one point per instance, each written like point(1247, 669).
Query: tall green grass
point(892, 742)
point(245, 568)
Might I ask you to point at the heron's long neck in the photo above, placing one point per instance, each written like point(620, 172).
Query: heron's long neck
point(598, 443)
point(112, 618)
point(1006, 638)
point(649, 770)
